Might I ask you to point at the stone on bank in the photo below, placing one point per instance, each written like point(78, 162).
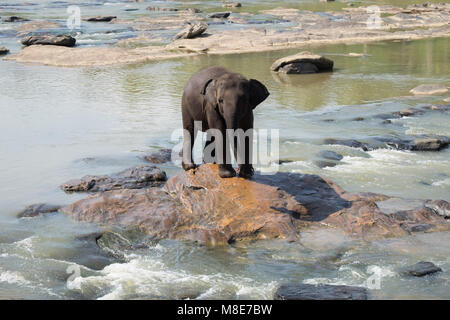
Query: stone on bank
point(302, 63)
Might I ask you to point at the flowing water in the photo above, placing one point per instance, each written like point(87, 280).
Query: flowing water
point(62, 123)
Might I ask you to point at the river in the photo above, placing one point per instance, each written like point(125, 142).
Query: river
point(63, 123)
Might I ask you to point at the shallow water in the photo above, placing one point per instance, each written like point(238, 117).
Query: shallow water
point(63, 123)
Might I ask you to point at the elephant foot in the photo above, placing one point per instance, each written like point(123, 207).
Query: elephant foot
point(226, 171)
point(188, 166)
point(246, 171)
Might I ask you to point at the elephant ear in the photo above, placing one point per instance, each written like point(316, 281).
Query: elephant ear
point(203, 92)
point(258, 93)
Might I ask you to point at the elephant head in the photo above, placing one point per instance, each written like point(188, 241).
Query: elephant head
point(234, 97)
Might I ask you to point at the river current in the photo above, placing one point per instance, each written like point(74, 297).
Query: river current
point(62, 123)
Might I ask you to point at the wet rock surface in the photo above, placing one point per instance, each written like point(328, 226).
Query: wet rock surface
point(440, 207)
point(219, 15)
point(303, 62)
point(14, 19)
point(161, 156)
point(331, 155)
point(60, 40)
point(3, 51)
point(38, 209)
point(133, 178)
point(429, 89)
point(100, 18)
point(422, 268)
point(348, 143)
point(410, 144)
point(199, 206)
point(320, 292)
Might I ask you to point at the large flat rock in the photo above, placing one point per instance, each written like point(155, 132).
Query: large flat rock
point(198, 205)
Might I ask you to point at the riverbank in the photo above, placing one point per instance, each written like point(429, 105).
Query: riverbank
point(241, 33)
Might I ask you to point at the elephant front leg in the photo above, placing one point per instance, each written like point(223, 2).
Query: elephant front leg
point(246, 139)
point(188, 143)
point(223, 156)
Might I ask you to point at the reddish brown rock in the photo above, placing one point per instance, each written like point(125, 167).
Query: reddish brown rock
point(198, 205)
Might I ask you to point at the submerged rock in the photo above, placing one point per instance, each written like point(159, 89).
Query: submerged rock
point(60, 40)
point(3, 51)
point(100, 18)
point(408, 112)
point(15, 19)
point(422, 268)
point(348, 142)
point(198, 205)
point(192, 30)
point(303, 291)
point(38, 209)
point(133, 178)
point(429, 89)
point(303, 62)
point(418, 144)
point(331, 155)
point(219, 15)
point(161, 156)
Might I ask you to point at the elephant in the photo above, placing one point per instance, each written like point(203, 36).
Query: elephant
point(221, 101)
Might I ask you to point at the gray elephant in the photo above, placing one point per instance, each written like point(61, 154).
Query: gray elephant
point(221, 100)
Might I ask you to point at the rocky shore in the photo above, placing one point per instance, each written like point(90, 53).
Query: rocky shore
point(299, 28)
point(201, 207)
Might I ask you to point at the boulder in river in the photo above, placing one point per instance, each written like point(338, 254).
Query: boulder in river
point(37, 210)
point(100, 18)
point(304, 291)
point(161, 156)
point(219, 15)
point(133, 178)
point(3, 51)
point(59, 40)
point(330, 155)
point(198, 205)
point(440, 207)
point(299, 68)
point(15, 19)
point(429, 89)
point(429, 144)
point(303, 62)
point(422, 268)
point(192, 30)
